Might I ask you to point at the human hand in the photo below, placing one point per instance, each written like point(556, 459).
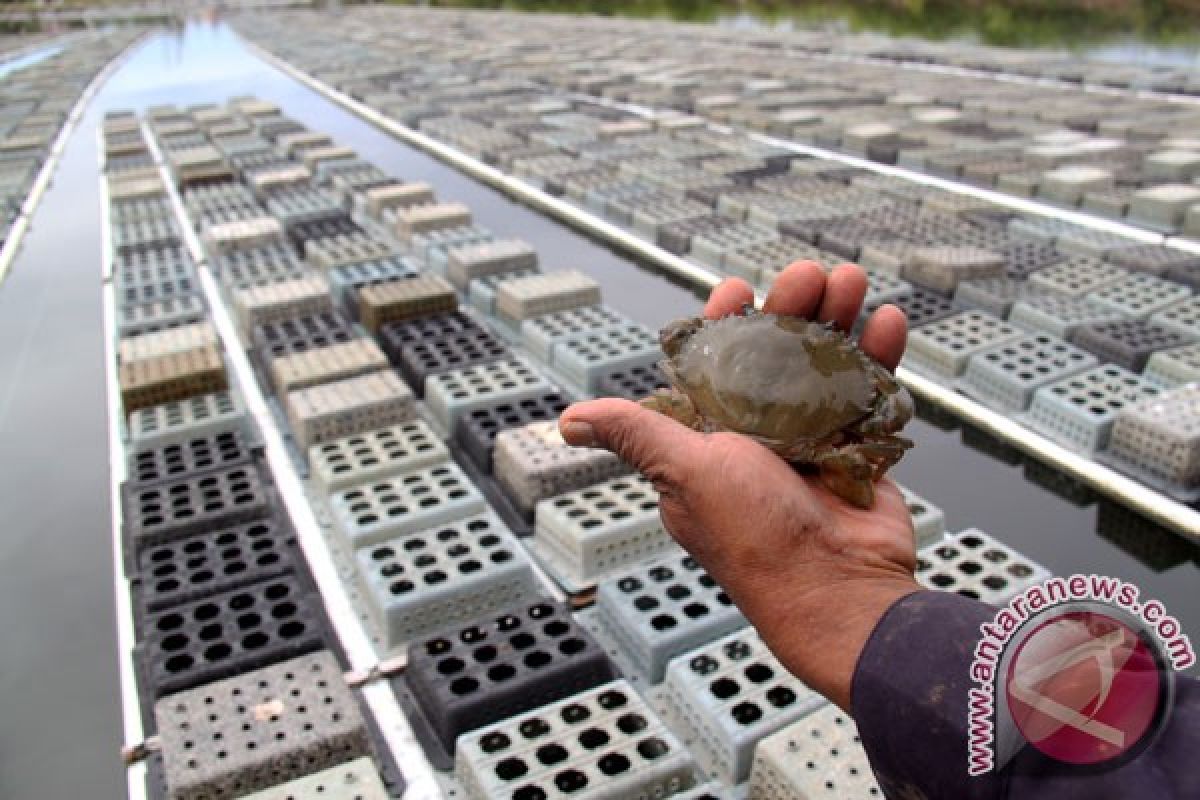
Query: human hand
point(811, 572)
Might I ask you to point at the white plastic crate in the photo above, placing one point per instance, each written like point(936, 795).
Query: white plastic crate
point(1140, 296)
point(728, 695)
point(179, 339)
point(353, 780)
point(326, 364)
point(258, 304)
point(412, 501)
point(545, 293)
point(1077, 276)
point(181, 420)
point(942, 267)
point(342, 408)
point(749, 262)
point(712, 248)
point(242, 234)
point(1182, 317)
point(1158, 441)
point(976, 565)
point(1174, 367)
point(820, 757)
point(1058, 314)
point(1005, 377)
point(591, 532)
point(541, 333)
point(450, 395)
point(331, 252)
point(943, 348)
point(481, 293)
point(585, 358)
point(929, 521)
point(533, 462)
point(603, 744)
point(657, 611)
point(381, 199)
point(416, 220)
point(442, 574)
point(1078, 412)
point(467, 263)
point(374, 454)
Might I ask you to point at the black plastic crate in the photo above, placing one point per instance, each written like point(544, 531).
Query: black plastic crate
point(200, 454)
point(1128, 343)
point(1187, 274)
point(169, 510)
point(209, 563)
point(303, 233)
point(228, 634)
point(419, 360)
point(395, 336)
point(469, 677)
point(632, 383)
point(299, 334)
point(476, 432)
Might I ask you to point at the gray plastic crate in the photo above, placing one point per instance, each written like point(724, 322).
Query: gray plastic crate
point(468, 263)
point(375, 454)
point(659, 610)
point(172, 312)
point(1182, 318)
point(585, 358)
point(1058, 314)
point(603, 744)
point(1158, 441)
point(993, 295)
point(542, 333)
point(405, 503)
point(712, 247)
point(354, 780)
point(1127, 343)
point(929, 521)
point(532, 463)
point(1078, 412)
point(942, 267)
point(180, 420)
point(450, 395)
point(943, 348)
point(1140, 296)
point(1174, 367)
point(750, 262)
point(1076, 276)
point(727, 696)
point(976, 565)
point(818, 757)
point(448, 573)
point(1005, 377)
point(589, 533)
point(258, 729)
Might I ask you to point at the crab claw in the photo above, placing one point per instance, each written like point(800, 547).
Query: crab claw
point(850, 476)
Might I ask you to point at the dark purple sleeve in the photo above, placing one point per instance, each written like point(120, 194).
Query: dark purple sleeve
point(909, 698)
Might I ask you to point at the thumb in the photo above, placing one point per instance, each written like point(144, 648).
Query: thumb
point(655, 445)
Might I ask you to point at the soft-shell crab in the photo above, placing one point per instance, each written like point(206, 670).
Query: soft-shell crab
point(802, 388)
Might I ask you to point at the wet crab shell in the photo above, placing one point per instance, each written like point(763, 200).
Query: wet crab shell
point(780, 379)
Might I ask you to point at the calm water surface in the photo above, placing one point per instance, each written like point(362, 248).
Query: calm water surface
point(59, 708)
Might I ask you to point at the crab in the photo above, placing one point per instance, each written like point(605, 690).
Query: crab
point(801, 388)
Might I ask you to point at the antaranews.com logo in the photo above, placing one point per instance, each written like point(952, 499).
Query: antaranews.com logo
point(1077, 667)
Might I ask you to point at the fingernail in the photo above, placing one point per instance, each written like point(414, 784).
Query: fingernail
point(579, 434)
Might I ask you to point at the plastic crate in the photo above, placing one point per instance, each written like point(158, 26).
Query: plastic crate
point(975, 565)
point(920, 307)
point(256, 305)
point(993, 295)
point(533, 462)
point(941, 268)
point(229, 633)
point(397, 196)
point(406, 503)
point(179, 507)
point(634, 383)
point(323, 365)
point(424, 219)
point(943, 348)
point(447, 573)
point(216, 561)
point(1024, 258)
point(1126, 343)
point(1078, 412)
point(303, 234)
point(184, 419)
point(259, 729)
point(300, 334)
point(481, 293)
point(712, 247)
point(395, 336)
point(659, 610)
point(587, 357)
point(343, 408)
point(1182, 318)
point(330, 252)
point(603, 743)
point(589, 533)
point(1174, 367)
point(196, 455)
point(542, 333)
point(258, 267)
point(929, 522)
point(545, 293)
point(467, 348)
point(346, 280)
point(451, 395)
point(1058, 314)
point(471, 262)
point(477, 431)
point(497, 667)
point(1154, 259)
point(432, 249)
point(353, 780)
point(375, 454)
point(727, 696)
point(242, 234)
point(173, 312)
point(1158, 441)
point(1077, 276)
point(1140, 296)
point(1005, 377)
point(750, 261)
point(820, 756)
point(396, 301)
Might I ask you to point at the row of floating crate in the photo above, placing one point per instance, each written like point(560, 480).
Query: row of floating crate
point(422, 471)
